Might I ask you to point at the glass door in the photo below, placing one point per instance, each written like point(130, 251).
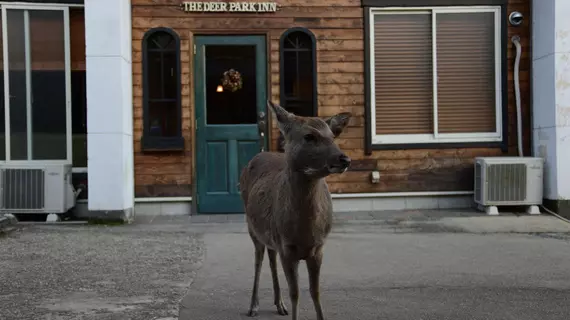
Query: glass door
point(36, 95)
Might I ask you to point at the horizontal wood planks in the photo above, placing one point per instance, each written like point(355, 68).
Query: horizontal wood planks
point(337, 24)
point(338, 27)
point(429, 169)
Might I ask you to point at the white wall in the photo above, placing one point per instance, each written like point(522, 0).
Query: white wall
point(109, 106)
point(551, 93)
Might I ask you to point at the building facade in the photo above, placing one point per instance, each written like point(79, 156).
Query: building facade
point(166, 99)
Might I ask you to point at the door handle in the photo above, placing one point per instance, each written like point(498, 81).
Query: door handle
point(261, 123)
point(261, 127)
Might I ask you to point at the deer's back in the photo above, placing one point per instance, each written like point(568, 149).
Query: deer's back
point(260, 171)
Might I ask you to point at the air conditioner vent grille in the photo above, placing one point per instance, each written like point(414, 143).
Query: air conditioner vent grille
point(506, 182)
point(23, 188)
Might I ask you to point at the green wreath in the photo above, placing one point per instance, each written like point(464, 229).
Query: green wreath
point(232, 80)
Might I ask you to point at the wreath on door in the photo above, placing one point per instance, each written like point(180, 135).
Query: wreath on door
point(232, 80)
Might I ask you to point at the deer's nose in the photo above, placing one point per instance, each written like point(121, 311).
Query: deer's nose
point(344, 160)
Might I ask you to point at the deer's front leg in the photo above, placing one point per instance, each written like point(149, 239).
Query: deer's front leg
point(272, 254)
point(259, 252)
point(314, 269)
point(290, 265)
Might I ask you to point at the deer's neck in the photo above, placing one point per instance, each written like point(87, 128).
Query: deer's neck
point(309, 194)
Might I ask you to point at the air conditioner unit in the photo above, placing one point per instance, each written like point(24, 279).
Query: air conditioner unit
point(36, 188)
point(508, 181)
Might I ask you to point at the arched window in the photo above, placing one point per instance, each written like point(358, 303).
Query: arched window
point(162, 115)
point(298, 73)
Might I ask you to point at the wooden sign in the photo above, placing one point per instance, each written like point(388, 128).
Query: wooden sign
point(211, 6)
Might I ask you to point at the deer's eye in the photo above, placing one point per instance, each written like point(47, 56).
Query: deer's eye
point(309, 137)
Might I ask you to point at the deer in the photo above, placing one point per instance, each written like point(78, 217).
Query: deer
point(288, 205)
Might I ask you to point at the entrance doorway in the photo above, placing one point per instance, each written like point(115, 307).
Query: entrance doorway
point(227, 115)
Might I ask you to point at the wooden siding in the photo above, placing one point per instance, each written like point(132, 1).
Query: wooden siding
point(338, 26)
point(439, 169)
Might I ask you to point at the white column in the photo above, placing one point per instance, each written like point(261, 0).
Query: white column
point(551, 97)
point(109, 109)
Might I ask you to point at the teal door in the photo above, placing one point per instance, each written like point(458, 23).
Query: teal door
point(228, 107)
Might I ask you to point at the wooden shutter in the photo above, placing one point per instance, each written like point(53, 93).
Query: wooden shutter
point(465, 45)
point(403, 73)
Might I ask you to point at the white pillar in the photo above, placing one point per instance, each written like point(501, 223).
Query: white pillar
point(109, 109)
point(551, 97)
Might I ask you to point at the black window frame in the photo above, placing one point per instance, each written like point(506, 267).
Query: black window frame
point(282, 50)
point(367, 5)
point(152, 143)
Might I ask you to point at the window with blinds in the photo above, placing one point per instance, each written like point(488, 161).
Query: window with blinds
point(436, 75)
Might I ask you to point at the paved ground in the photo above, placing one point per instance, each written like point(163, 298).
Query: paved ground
point(412, 265)
point(95, 272)
point(399, 276)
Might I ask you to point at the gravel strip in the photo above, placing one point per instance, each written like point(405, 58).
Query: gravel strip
point(96, 272)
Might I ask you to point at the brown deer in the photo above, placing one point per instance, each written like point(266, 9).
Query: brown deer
point(288, 205)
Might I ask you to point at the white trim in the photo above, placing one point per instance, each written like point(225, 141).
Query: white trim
point(46, 162)
point(341, 205)
point(467, 9)
point(28, 73)
point(6, 84)
point(498, 72)
point(67, 61)
point(435, 77)
point(372, 73)
point(151, 200)
point(438, 137)
point(335, 195)
point(429, 138)
point(163, 199)
point(448, 9)
point(400, 10)
point(79, 170)
point(399, 194)
point(32, 5)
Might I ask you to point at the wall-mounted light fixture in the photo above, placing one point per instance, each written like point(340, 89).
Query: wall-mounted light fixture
point(220, 88)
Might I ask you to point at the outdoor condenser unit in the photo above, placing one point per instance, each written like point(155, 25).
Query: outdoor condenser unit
point(36, 188)
point(508, 181)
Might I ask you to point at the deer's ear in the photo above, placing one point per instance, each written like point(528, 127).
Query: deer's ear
point(338, 122)
point(284, 118)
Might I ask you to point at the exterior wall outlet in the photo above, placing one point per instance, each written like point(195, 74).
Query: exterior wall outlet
point(375, 176)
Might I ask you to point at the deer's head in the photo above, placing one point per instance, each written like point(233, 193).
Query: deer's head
point(309, 142)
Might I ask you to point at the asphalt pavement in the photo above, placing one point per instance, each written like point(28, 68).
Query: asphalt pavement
point(389, 265)
point(379, 273)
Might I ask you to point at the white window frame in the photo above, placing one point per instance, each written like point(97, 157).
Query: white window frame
point(436, 137)
point(64, 8)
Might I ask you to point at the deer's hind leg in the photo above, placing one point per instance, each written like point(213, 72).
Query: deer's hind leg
point(272, 254)
point(259, 253)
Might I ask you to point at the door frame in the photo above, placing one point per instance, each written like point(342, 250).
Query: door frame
point(64, 8)
point(236, 37)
